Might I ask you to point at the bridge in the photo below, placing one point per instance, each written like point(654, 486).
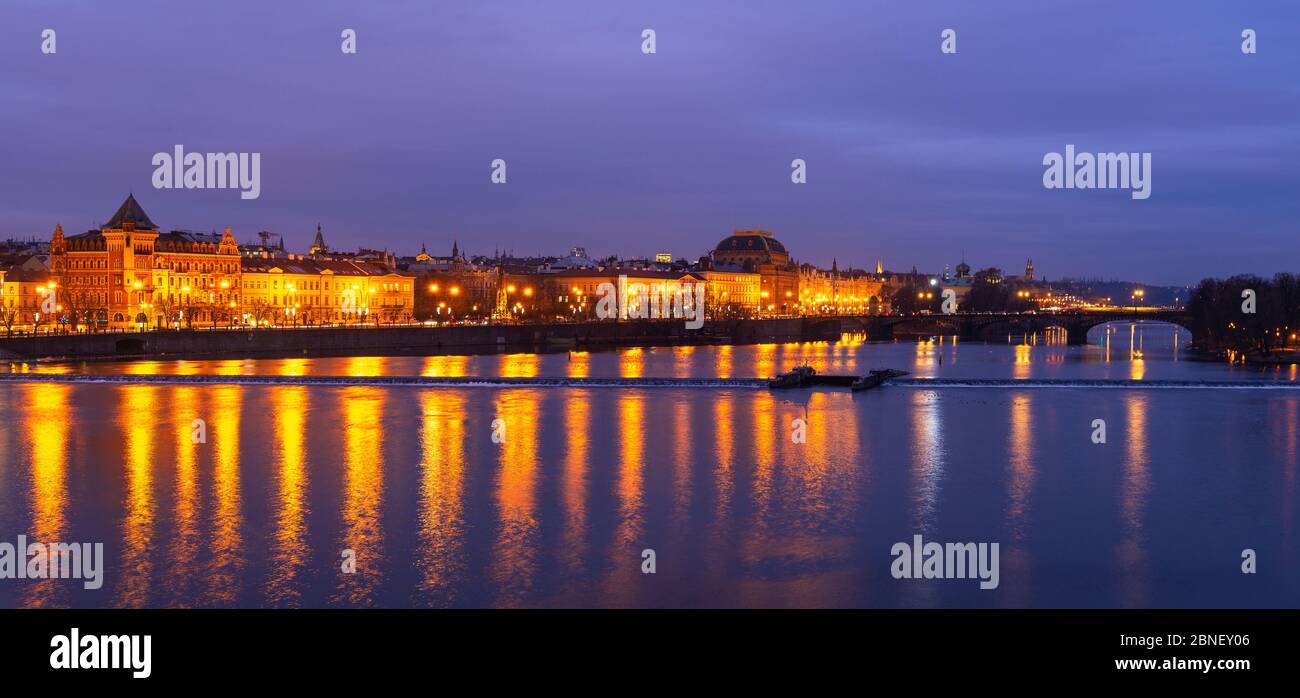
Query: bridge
point(986, 326)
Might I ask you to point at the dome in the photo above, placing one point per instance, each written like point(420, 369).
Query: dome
point(750, 248)
point(751, 241)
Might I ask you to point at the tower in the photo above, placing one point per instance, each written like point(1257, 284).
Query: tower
point(318, 246)
point(129, 238)
point(228, 244)
point(1029, 269)
point(58, 250)
point(963, 269)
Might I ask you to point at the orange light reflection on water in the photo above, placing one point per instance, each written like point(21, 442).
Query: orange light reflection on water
point(442, 486)
point(49, 417)
point(514, 566)
point(137, 419)
point(363, 491)
point(291, 405)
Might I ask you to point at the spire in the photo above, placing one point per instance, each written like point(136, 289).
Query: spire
point(130, 212)
point(318, 245)
point(455, 251)
point(880, 268)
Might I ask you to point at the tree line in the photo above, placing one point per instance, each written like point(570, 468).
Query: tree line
point(1246, 312)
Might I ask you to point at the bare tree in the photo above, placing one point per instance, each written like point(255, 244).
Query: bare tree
point(9, 316)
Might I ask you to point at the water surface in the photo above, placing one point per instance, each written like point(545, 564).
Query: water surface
point(438, 514)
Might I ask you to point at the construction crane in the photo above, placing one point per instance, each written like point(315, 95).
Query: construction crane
point(266, 236)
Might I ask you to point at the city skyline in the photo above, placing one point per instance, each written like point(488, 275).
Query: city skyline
point(912, 155)
point(293, 243)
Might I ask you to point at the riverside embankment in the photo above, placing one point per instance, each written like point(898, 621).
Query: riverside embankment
point(456, 339)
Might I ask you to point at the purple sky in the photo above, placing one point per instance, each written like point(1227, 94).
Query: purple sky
point(912, 155)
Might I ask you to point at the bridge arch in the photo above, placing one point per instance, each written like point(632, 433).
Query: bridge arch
point(994, 325)
point(1080, 327)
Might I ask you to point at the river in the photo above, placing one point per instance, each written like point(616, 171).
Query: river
point(261, 495)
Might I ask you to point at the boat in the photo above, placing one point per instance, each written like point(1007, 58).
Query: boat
point(875, 378)
point(798, 378)
point(806, 377)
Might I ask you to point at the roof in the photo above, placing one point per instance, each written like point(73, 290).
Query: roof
point(186, 240)
point(630, 273)
point(130, 212)
point(573, 261)
point(20, 274)
point(732, 269)
point(316, 266)
point(748, 241)
point(191, 236)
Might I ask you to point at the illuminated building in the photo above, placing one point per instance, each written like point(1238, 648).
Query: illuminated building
point(127, 274)
point(759, 252)
point(455, 294)
point(835, 292)
point(573, 294)
point(300, 291)
point(731, 293)
point(23, 297)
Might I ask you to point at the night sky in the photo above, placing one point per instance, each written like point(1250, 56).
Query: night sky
point(913, 156)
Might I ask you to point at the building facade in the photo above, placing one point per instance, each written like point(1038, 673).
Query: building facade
point(297, 291)
point(759, 252)
point(852, 292)
point(731, 292)
point(127, 274)
point(28, 299)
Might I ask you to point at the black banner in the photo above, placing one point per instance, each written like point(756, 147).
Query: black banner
point(240, 647)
